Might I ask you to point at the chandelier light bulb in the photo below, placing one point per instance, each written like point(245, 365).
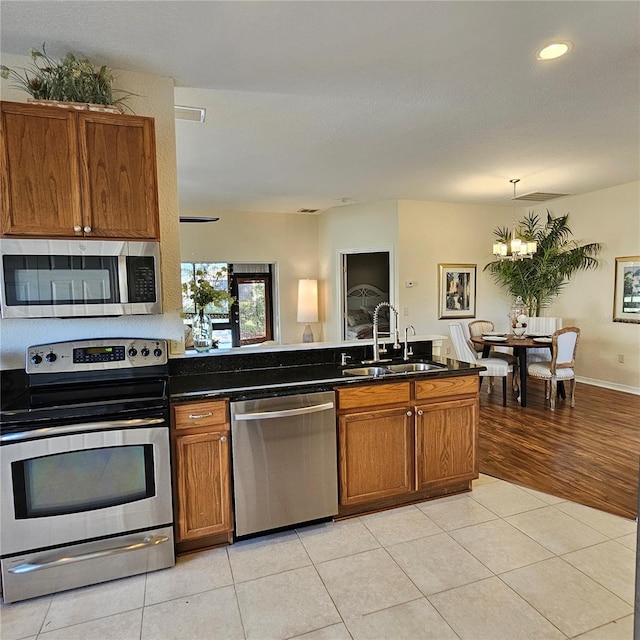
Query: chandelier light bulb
point(518, 249)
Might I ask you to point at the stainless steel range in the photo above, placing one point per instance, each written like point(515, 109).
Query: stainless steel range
point(85, 467)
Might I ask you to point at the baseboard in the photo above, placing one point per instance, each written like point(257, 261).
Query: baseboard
point(610, 385)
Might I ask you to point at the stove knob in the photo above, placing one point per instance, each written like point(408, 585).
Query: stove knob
point(132, 352)
point(157, 352)
point(51, 357)
point(36, 358)
point(144, 351)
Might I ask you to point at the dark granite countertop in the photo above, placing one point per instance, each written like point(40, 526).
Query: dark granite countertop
point(242, 376)
point(287, 380)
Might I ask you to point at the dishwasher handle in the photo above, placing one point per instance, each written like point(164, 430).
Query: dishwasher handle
point(284, 413)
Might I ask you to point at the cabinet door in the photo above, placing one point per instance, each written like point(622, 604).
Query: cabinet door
point(119, 182)
point(375, 455)
point(446, 442)
point(204, 496)
point(39, 169)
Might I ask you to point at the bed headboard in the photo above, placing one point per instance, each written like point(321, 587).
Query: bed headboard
point(365, 295)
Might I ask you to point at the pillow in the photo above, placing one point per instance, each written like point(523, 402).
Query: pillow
point(358, 317)
point(383, 313)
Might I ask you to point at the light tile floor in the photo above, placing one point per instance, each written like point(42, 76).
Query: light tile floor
point(499, 563)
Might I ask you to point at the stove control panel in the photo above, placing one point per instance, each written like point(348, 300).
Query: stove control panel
point(99, 354)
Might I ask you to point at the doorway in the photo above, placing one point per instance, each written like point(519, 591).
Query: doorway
point(366, 282)
point(252, 311)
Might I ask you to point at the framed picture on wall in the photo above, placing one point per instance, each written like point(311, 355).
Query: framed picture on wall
point(626, 295)
point(457, 290)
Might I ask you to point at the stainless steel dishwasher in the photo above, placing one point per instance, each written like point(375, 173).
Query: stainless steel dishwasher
point(284, 461)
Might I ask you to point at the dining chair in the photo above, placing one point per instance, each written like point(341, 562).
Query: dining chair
point(561, 367)
point(541, 326)
point(477, 328)
point(496, 367)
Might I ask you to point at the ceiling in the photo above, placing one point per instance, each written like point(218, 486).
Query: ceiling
point(315, 104)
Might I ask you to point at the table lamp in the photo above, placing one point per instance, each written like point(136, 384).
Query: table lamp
point(307, 306)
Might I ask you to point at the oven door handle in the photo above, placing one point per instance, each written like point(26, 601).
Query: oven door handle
point(136, 546)
point(47, 432)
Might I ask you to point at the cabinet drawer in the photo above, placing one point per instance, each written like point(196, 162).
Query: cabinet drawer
point(454, 386)
point(200, 414)
point(374, 395)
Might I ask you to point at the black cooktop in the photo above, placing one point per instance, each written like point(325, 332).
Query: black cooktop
point(36, 406)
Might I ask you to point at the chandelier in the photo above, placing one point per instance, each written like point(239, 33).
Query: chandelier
point(517, 249)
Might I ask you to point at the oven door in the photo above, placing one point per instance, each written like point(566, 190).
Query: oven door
point(84, 481)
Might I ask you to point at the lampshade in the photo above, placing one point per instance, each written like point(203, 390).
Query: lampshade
point(307, 306)
point(308, 300)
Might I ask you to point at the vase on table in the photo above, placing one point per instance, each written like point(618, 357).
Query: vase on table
point(202, 332)
point(519, 317)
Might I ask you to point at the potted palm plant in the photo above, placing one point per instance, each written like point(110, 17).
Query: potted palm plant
point(541, 278)
point(207, 297)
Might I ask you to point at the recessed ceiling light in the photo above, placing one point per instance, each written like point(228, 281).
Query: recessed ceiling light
point(554, 50)
point(195, 114)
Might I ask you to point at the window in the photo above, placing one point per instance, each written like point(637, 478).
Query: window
point(249, 320)
point(253, 308)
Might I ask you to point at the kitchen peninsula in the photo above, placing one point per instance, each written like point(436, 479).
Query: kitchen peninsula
point(402, 437)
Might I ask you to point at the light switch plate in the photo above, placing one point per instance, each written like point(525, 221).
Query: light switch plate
point(176, 347)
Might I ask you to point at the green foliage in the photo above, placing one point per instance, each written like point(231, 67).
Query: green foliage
point(541, 278)
point(204, 290)
point(72, 79)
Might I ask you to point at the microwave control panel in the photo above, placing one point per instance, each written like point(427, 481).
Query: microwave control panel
point(92, 355)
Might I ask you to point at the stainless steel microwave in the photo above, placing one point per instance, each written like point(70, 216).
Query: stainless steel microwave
point(79, 278)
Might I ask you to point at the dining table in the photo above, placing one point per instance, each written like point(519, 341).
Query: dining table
point(519, 344)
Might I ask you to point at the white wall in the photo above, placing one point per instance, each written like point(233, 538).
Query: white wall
point(362, 227)
point(155, 98)
point(288, 240)
point(432, 233)
point(611, 217)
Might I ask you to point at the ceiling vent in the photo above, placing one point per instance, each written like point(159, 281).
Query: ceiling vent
point(195, 114)
point(308, 210)
point(539, 196)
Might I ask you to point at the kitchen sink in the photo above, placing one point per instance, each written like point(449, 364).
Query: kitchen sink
point(365, 371)
point(410, 367)
point(404, 367)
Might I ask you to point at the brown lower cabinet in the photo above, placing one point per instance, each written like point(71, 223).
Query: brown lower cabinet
point(202, 474)
point(402, 442)
point(398, 442)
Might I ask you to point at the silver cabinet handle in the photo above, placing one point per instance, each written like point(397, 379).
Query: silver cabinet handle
point(144, 543)
point(77, 228)
point(87, 229)
point(223, 439)
point(197, 416)
point(409, 413)
point(420, 412)
point(285, 413)
point(46, 432)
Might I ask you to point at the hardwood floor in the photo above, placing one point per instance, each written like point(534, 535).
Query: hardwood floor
point(588, 454)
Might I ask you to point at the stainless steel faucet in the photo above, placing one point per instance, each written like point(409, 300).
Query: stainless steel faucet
point(408, 351)
point(376, 345)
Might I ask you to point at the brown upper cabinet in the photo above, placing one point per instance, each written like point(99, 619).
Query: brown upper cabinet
point(68, 173)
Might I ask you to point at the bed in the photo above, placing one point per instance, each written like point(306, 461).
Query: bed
point(361, 302)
